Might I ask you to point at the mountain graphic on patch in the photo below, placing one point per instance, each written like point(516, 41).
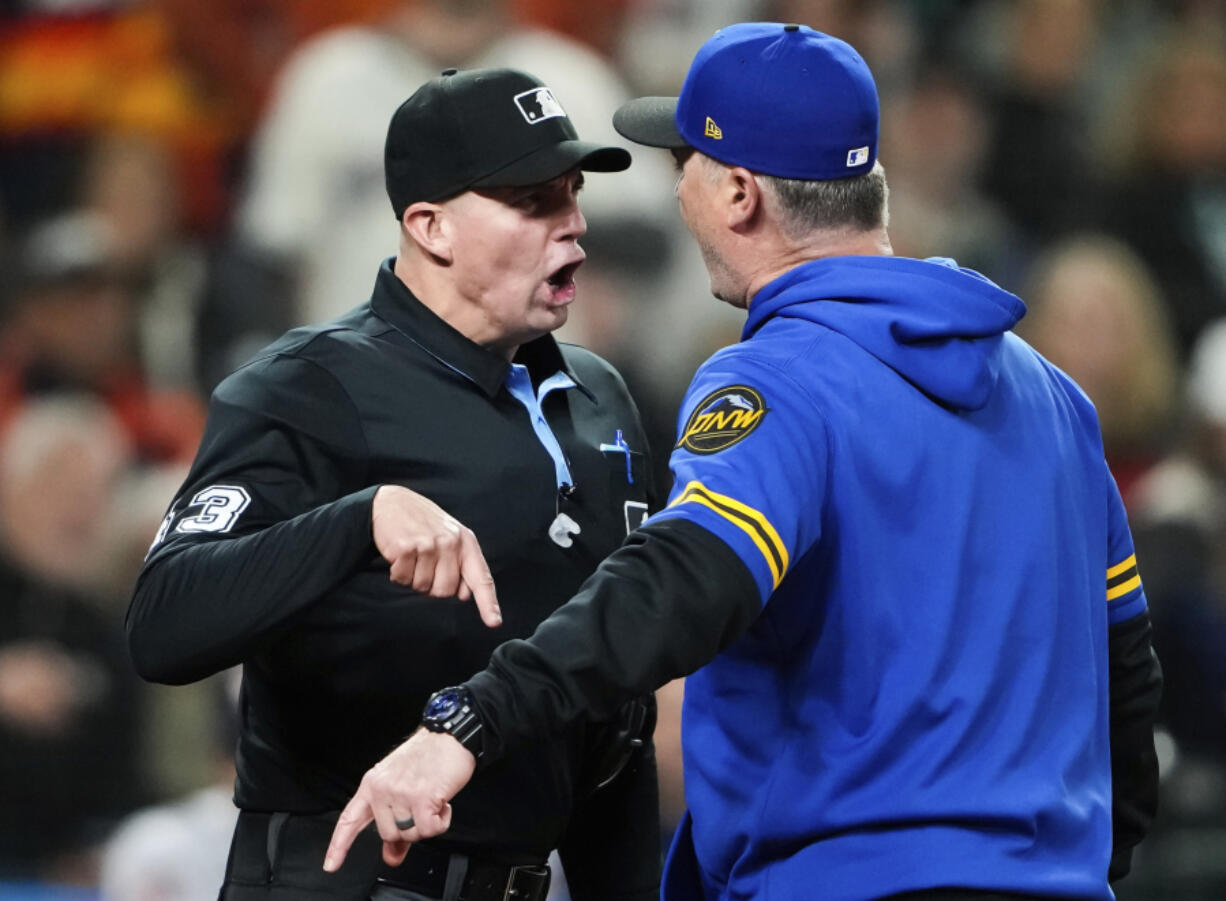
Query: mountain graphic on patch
point(731, 400)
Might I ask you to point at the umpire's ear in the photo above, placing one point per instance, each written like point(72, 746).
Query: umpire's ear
point(422, 225)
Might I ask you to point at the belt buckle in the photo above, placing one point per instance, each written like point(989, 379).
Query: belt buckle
point(527, 883)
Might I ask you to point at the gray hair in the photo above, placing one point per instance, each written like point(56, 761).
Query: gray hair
point(860, 202)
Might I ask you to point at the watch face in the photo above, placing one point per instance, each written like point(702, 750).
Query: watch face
point(451, 710)
point(443, 706)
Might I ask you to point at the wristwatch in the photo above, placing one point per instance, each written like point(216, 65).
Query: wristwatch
point(451, 710)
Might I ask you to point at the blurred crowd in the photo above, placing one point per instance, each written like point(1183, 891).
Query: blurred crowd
point(182, 180)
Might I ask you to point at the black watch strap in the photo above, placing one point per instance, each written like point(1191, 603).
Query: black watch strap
point(452, 710)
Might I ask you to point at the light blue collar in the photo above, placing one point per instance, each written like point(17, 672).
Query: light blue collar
point(519, 383)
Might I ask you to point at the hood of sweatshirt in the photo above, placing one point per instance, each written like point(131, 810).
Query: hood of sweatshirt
point(936, 324)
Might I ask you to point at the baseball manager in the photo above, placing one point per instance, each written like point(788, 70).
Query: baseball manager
point(893, 553)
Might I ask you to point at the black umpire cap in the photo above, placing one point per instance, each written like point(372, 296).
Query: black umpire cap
point(483, 128)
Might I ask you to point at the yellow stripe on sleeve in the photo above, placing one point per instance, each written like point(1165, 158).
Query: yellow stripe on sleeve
point(1114, 571)
point(745, 518)
point(1123, 588)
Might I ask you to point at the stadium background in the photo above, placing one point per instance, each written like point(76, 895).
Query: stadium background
point(182, 179)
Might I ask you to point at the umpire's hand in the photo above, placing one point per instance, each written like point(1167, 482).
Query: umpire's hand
point(414, 784)
point(430, 550)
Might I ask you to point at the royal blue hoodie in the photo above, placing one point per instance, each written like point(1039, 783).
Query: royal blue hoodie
point(924, 504)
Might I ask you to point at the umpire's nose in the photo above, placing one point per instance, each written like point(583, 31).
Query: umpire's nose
point(574, 225)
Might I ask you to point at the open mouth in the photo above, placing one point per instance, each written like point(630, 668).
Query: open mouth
point(564, 276)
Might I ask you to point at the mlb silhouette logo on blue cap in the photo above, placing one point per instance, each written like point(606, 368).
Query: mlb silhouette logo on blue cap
point(857, 156)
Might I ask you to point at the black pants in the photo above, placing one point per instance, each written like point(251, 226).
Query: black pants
point(280, 857)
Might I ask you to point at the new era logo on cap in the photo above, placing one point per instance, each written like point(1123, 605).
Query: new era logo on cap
point(538, 105)
point(857, 156)
point(713, 131)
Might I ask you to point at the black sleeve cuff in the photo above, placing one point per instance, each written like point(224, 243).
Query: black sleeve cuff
point(1136, 690)
point(660, 607)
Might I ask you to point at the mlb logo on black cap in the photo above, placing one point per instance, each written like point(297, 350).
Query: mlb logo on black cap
point(458, 131)
point(538, 105)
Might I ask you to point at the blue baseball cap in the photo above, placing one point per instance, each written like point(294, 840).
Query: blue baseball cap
point(781, 100)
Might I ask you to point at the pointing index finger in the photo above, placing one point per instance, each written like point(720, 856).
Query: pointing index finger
point(476, 574)
point(356, 816)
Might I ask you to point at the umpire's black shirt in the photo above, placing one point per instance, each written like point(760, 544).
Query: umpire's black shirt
point(266, 556)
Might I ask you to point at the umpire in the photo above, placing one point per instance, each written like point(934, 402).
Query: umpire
point(276, 552)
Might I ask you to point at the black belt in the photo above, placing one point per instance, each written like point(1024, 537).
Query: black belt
point(425, 872)
point(968, 894)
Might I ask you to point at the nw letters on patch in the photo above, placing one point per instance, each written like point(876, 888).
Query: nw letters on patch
point(723, 418)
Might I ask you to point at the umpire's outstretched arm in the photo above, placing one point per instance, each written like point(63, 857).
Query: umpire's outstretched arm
point(276, 512)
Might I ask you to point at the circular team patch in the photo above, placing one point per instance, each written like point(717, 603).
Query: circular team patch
point(723, 418)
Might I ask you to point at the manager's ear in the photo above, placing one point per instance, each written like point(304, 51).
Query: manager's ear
point(742, 196)
point(423, 224)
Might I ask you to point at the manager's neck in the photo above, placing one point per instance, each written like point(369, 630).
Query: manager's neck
point(818, 245)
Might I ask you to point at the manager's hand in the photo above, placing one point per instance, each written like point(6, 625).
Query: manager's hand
point(431, 551)
point(415, 782)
